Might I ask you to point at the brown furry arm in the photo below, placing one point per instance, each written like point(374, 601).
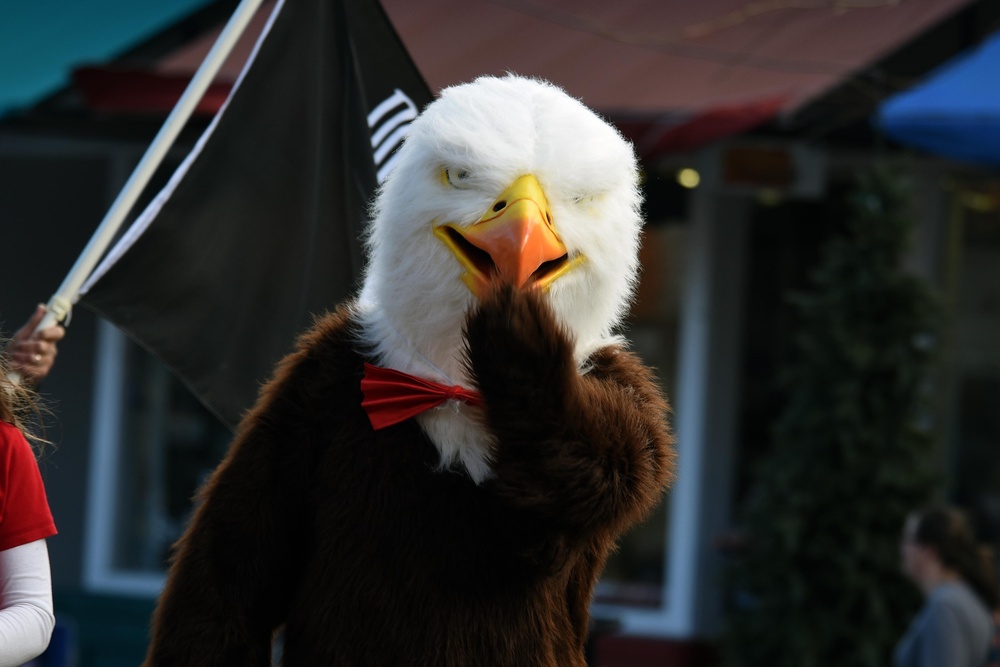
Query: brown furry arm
point(590, 453)
point(234, 568)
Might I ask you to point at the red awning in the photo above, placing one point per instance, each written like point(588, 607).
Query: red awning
point(672, 75)
point(156, 89)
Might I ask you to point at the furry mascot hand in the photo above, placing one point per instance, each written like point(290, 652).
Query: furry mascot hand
point(472, 531)
point(585, 452)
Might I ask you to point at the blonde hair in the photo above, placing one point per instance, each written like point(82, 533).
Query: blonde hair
point(18, 402)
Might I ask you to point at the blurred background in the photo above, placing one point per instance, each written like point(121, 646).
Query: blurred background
point(820, 295)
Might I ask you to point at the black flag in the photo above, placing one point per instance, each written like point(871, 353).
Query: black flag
point(259, 230)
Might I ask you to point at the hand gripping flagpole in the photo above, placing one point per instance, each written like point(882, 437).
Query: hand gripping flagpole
point(60, 304)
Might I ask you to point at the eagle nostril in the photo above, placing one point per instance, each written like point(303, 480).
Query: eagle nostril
point(499, 206)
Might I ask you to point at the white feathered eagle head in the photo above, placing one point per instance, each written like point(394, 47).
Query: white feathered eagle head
point(506, 177)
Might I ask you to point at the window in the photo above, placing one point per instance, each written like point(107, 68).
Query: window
point(154, 445)
point(974, 295)
point(635, 574)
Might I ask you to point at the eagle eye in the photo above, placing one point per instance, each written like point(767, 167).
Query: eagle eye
point(456, 178)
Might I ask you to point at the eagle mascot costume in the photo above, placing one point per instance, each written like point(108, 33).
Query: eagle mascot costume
point(436, 476)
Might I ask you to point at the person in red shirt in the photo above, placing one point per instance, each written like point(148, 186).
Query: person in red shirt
point(26, 614)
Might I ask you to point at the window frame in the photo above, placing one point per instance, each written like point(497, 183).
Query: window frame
point(100, 575)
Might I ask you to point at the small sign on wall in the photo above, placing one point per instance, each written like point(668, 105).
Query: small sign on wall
point(788, 169)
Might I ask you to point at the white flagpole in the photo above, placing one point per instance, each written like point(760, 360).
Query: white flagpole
point(61, 302)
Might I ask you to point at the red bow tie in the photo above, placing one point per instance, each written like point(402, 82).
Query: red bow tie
point(392, 397)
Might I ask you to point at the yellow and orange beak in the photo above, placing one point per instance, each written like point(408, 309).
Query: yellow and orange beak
point(514, 241)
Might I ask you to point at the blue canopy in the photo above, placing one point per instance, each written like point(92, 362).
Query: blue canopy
point(955, 112)
point(41, 41)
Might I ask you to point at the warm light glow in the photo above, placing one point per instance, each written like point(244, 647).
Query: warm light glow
point(688, 178)
point(769, 196)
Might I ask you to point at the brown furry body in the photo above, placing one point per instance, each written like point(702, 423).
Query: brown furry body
point(371, 555)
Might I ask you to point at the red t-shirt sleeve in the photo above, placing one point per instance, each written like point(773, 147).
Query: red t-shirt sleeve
point(24, 510)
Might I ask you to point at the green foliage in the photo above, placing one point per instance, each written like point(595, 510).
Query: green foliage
point(820, 584)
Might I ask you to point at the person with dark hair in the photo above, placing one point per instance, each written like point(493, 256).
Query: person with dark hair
point(955, 626)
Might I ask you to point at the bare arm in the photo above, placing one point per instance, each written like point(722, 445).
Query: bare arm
point(32, 351)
